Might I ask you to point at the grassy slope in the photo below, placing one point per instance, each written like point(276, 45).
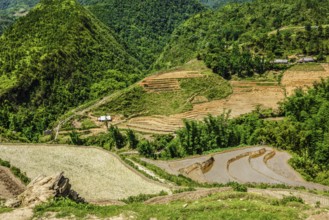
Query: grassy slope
point(228, 205)
point(137, 101)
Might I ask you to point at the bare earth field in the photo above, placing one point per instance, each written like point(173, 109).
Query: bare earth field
point(293, 79)
point(95, 174)
point(244, 165)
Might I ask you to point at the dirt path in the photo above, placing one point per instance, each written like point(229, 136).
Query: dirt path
point(148, 172)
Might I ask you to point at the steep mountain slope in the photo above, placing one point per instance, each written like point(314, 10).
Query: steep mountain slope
point(238, 38)
point(144, 25)
point(55, 58)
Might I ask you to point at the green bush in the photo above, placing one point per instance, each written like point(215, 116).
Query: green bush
point(238, 187)
point(142, 197)
point(288, 199)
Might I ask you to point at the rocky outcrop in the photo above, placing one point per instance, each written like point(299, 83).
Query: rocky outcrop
point(43, 188)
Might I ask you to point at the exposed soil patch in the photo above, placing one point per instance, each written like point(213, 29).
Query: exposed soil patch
point(303, 79)
point(10, 186)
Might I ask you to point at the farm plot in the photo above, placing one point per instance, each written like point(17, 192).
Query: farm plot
point(303, 76)
point(244, 165)
point(95, 174)
point(246, 96)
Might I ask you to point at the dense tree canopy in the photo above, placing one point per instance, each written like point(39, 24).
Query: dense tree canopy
point(55, 58)
point(250, 33)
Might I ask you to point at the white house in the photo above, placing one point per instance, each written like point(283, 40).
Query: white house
point(104, 118)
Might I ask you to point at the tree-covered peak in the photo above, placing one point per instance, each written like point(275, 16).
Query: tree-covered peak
point(55, 58)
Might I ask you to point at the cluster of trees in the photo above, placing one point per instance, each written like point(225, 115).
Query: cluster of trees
point(234, 62)
point(113, 139)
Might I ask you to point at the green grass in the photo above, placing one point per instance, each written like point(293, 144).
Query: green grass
point(7, 83)
point(137, 101)
point(88, 124)
point(5, 209)
point(211, 86)
point(226, 205)
point(307, 67)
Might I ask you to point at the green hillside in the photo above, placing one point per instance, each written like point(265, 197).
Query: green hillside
point(145, 26)
point(237, 39)
point(55, 58)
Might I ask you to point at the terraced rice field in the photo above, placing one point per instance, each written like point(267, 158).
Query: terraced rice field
point(167, 82)
point(293, 79)
point(244, 165)
point(95, 174)
point(246, 96)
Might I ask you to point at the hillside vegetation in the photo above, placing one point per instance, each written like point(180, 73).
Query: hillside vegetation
point(235, 39)
point(139, 101)
point(145, 26)
point(225, 205)
point(55, 58)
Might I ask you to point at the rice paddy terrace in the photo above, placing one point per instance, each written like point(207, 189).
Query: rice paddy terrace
point(246, 95)
point(244, 165)
point(97, 175)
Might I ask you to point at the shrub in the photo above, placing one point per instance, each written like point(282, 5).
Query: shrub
point(238, 187)
point(288, 199)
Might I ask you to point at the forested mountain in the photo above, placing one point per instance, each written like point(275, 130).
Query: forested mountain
point(243, 38)
point(57, 57)
point(145, 25)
